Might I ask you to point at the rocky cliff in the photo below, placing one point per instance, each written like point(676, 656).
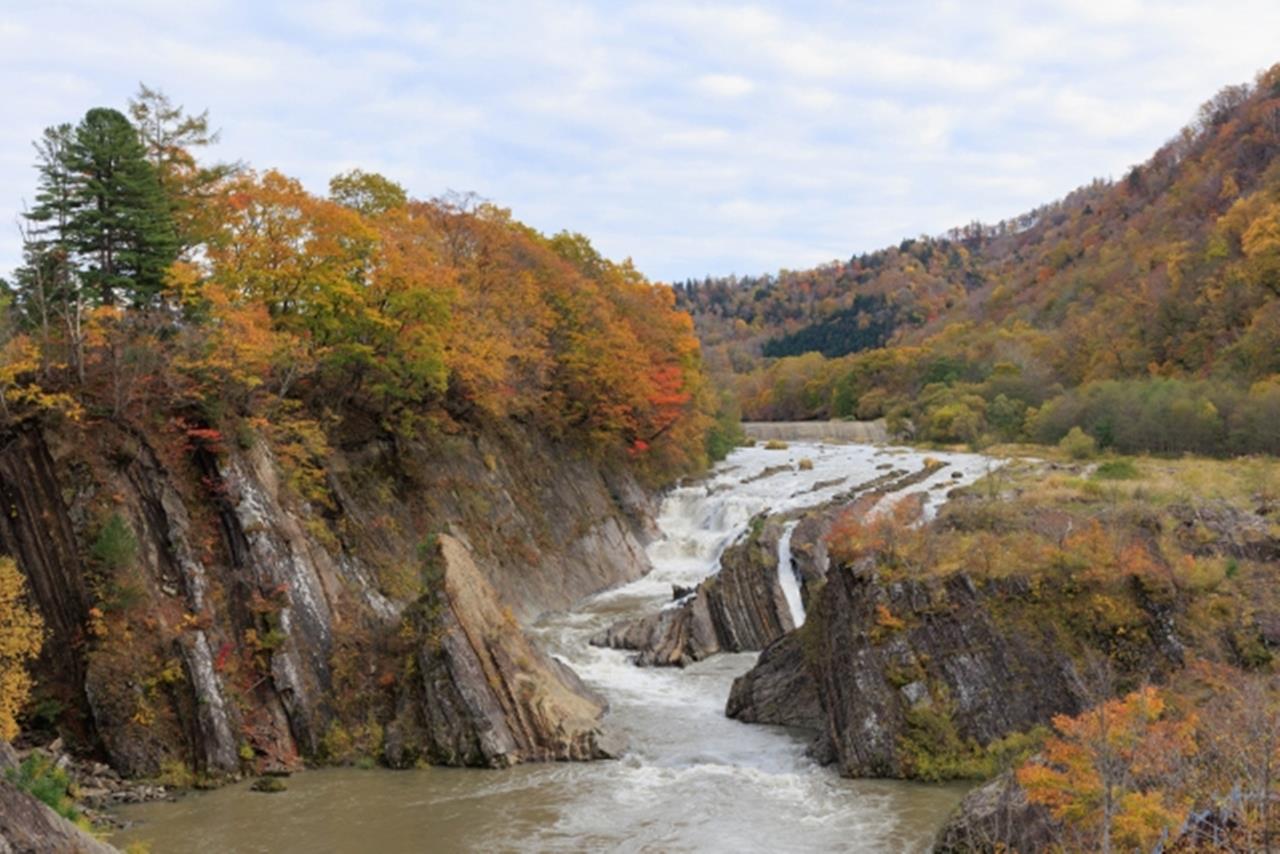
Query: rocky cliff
point(481, 693)
point(925, 651)
point(908, 674)
point(239, 605)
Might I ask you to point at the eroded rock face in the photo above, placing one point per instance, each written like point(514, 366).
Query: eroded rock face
point(781, 690)
point(250, 626)
point(484, 694)
point(740, 608)
point(29, 827)
point(891, 660)
point(884, 650)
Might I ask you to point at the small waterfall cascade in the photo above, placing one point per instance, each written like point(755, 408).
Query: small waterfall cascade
point(787, 578)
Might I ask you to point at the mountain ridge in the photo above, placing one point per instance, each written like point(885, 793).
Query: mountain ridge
point(1170, 273)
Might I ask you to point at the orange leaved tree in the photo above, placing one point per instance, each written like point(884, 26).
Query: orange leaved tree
point(1112, 775)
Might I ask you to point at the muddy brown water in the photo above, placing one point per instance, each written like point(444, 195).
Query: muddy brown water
point(693, 780)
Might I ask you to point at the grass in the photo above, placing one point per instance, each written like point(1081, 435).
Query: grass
point(1116, 470)
point(38, 777)
point(1244, 482)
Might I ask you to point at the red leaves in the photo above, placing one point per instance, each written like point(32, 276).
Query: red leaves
point(223, 657)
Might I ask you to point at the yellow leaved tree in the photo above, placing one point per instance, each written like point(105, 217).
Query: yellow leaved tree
point(21, 633)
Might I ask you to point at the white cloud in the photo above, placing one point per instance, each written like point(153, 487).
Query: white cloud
point(696, 138)
point(724, 85)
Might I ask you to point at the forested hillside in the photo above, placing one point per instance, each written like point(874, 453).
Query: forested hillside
point(194, 297)
point(1145, 310)
point(263, 453)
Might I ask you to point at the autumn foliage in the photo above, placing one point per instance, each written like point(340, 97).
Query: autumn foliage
point(1145, 311)
point(21, 635)
point(1106, 773)
point(367, 309)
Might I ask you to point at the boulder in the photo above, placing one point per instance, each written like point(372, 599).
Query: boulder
point(482, 693)
point(27, 826)
point(996, 816)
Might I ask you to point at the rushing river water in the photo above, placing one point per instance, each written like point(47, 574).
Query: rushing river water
point(693, 779)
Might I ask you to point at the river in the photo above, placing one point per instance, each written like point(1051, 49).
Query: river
point(693, 780)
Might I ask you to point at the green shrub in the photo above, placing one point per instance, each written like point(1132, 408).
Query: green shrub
point(38, 776)
point(725, 433)
point(932, 750)
point(1078, 444)
point(872, 405)
point(1116, 470)
point(1167, 416)
point(115, 547)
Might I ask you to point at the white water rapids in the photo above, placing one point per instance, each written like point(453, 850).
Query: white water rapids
point(693, 780)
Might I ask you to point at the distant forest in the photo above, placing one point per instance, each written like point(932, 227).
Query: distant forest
point(1158, 293)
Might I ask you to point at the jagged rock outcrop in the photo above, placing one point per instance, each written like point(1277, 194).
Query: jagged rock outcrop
point(781, 690)
point(896, 664)
point(996, 816)
point(482, 693)
point(740, 608)
point(27, 826)
point(216, 604)
point(1217, 528)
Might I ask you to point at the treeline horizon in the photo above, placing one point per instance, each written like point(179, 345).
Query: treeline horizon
point(1159, 292)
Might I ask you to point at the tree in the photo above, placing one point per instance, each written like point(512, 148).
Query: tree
point(48, 283)
point(367, 192)
point(21, 635)
point(1110, 775)
point(1241, 754)
point(168, 135)
point(120, 223)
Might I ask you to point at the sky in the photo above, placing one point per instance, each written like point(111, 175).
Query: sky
point(694, 138)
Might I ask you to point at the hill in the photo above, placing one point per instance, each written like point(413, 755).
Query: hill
point(283, 473)
point(1157, 294)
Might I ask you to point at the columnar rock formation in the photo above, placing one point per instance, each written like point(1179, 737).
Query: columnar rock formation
point(204, 609)
point(481, 692)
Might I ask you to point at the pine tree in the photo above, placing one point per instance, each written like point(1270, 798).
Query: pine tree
point(48, 285)
point(121, 224)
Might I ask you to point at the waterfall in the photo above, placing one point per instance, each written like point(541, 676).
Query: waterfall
point(787, 578)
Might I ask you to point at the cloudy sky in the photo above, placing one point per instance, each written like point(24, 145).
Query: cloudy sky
point(695, 138)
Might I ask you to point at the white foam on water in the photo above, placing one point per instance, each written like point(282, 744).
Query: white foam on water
point(787, 578)
point(696, 780)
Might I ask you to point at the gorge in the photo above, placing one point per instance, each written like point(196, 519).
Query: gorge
point(375, 521)
point(691, 779)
